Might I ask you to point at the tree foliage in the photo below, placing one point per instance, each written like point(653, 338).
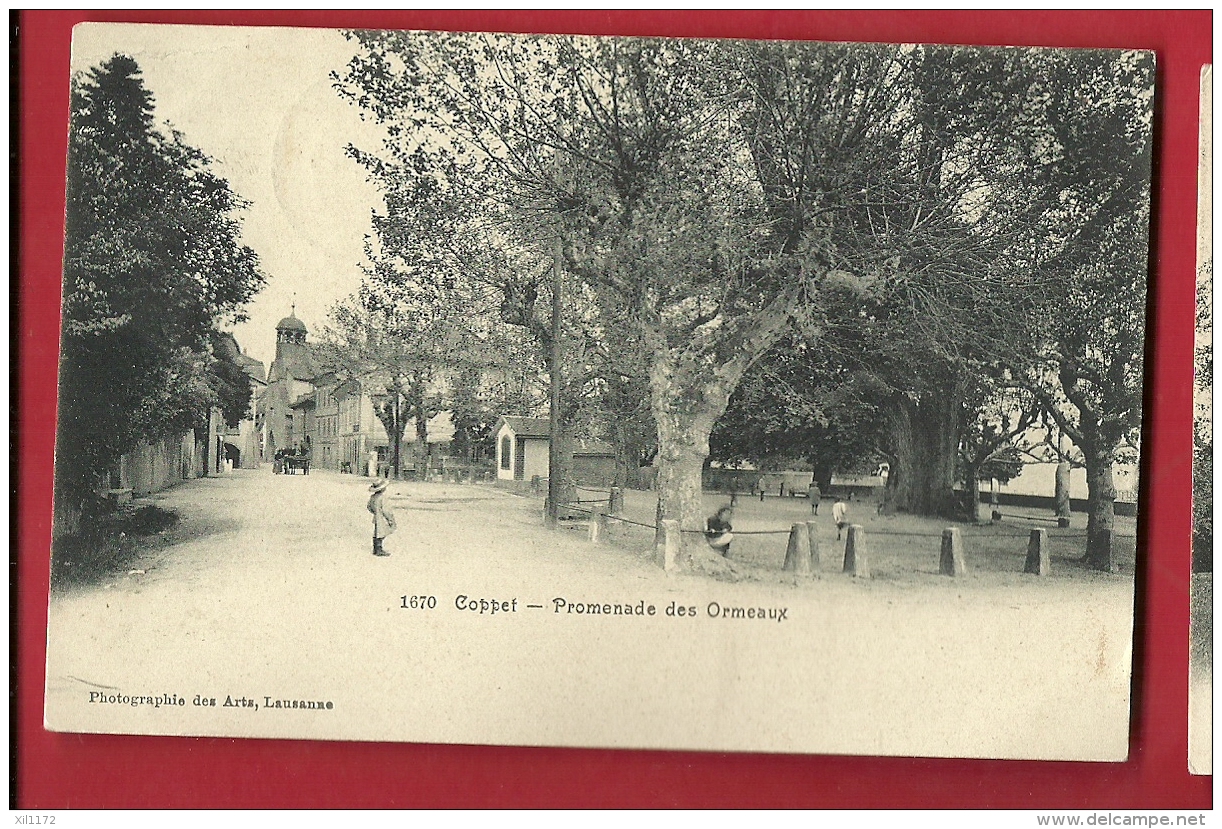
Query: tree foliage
point(153, 263)
point(911, 212)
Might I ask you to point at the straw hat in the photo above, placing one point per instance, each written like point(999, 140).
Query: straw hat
point(378, 486)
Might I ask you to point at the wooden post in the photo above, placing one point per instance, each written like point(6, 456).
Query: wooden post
point(797, 554)
point(598, 525)
point(856, 556)
point(1037, 554)
point(615, 505)
point(952, 563)
point(816, 551)
point(659, 537)
point(672, 543)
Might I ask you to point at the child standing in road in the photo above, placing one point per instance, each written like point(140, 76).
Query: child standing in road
point(840, 512)
point(383, 517)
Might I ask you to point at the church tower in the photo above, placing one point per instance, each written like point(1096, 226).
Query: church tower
point(290, 332)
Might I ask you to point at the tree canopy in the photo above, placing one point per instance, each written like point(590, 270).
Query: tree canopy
point(911, 221)
point(153, 263)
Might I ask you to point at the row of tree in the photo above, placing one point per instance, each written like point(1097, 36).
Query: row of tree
point(153, 266)
point(829, 251)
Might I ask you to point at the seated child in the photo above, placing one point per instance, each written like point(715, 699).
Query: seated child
point(717, 531)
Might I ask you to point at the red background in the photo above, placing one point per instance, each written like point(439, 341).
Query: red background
point(87, 771)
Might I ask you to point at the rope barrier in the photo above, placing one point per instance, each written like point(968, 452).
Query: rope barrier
point(1027, 517)
point(630, 521)
point(872, 530)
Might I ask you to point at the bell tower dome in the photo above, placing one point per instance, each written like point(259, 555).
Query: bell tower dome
point(289, 330)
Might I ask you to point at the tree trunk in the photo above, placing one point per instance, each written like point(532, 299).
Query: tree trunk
point(925, 442)
point(903, 452)
point(566, 490)
point(972, 496)
point(422, 446)
point(1101, 506)
point(396, 414)
point(1061, 494)
point(822, 472)
point(623, 454)
point(686, 405)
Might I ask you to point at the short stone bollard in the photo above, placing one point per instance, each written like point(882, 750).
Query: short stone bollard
point(856, 556)
point(672, 540)
point(816, 550)
point(1037, 554)
point(615, 504)
point(797, 554)
point(598, 525)
point(952, 562)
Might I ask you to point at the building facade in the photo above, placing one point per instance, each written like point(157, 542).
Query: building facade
point(290, 381)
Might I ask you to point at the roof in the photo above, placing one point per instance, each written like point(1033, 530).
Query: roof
point(305, 401)
point(540, 428)
point(252, 367)
point(526, 427)
point(226, 345)
point(290, 323)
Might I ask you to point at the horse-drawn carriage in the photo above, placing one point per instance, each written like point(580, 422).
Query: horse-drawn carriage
point(288, 464)
point(292, 463)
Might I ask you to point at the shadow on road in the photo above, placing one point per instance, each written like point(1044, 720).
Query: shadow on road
point(124, 540)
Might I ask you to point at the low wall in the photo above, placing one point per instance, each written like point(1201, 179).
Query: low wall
point(152, 467)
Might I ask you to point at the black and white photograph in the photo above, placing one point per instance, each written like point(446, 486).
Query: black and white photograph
point(1200, 666)
point(616, 392)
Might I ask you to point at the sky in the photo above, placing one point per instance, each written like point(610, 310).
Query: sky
point(259, 101)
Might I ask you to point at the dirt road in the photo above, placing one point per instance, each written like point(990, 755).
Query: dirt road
point(266, 591)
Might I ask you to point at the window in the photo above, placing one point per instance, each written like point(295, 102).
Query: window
point(505, 451)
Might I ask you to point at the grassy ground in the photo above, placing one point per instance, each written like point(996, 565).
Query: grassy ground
point(901, 547)
point(107, 544)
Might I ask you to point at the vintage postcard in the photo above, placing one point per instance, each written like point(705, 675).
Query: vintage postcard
point(612, 392)
point(1200, 673)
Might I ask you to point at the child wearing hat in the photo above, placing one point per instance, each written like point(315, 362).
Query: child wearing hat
point(840, 514)
point(383, 517)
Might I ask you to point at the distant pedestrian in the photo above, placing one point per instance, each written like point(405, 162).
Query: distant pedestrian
point(383, 517)
point(717, 531)
point(813, 495)
point(840, 512)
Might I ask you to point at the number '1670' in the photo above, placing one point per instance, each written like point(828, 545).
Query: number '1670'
point(418, 602)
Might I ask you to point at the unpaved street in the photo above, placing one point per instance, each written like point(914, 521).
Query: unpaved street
point(266, 590)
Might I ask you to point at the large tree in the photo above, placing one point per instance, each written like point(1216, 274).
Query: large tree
point(714, 194)
point(1087, 333)
point(404, 342)
point(153, 263)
